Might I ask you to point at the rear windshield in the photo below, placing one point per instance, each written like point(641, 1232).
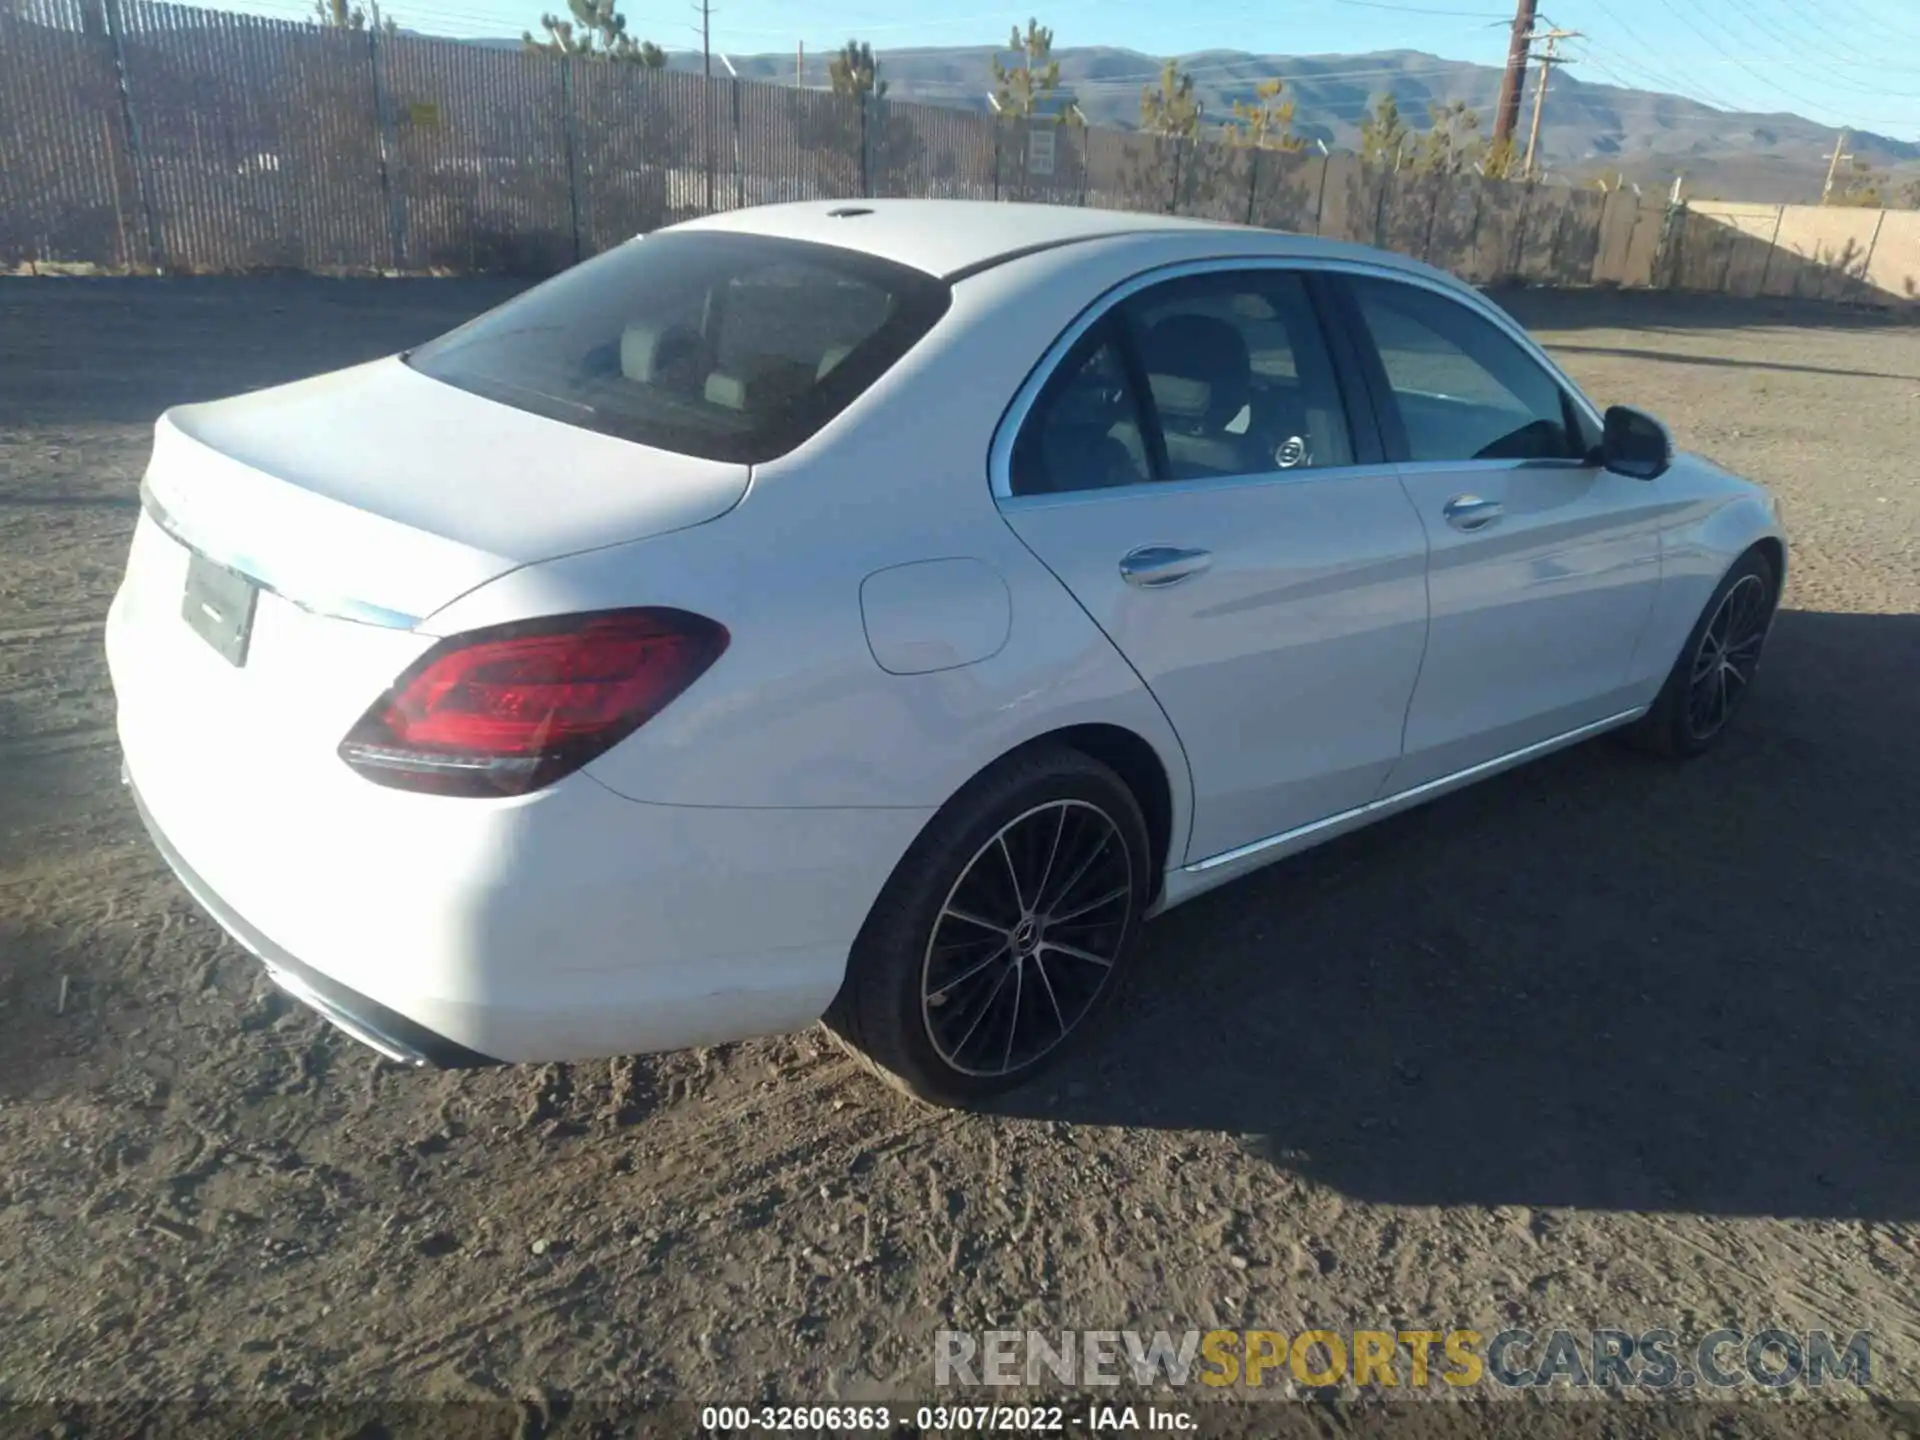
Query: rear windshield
point(729, 347)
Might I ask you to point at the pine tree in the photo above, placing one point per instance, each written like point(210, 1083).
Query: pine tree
point(1383, 134)
point(596, 31)
point(1501, 160)
point(1862, 186)
point(854, 72)
point(339, 15)
point(1171, 109)
point(1451, 144)
point(1266, 121)
point(1019, 89)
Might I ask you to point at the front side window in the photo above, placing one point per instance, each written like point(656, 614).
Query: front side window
point(1463, 388)
point(1205, 377)
point(728, 347)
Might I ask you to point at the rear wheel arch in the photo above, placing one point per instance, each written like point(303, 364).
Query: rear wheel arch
point(1131, 757)
point(1140, 768)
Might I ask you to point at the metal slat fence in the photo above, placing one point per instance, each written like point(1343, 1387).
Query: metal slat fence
point(137, 136)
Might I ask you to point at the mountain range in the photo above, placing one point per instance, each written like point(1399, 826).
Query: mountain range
point(1589, 128)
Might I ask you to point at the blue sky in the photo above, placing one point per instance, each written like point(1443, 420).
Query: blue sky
point(1856, 63)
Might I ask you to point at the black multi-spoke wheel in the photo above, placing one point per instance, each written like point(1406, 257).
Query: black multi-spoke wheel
point(1003, 931)
point(1726, 656)
point(1027, 938)
point(1716, 670)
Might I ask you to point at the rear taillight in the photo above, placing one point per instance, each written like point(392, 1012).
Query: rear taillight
point(509, 709)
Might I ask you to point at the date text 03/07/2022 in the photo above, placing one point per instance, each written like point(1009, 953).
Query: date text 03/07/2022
point(1093, 1419)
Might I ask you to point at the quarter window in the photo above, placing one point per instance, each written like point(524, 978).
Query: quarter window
point(1085, 432)
point(1463, 388)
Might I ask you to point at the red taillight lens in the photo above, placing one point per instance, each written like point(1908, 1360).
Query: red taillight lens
point(509, 709)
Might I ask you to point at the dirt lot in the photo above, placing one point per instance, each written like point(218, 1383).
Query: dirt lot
point(1604, 1043)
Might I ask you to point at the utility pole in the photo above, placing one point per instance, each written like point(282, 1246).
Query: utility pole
point(1547, 62)
point(800, 65)
point(706, 95)
point(1833, 167)
point(1506, 116)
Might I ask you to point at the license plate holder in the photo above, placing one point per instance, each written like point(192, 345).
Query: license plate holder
point(218, 604)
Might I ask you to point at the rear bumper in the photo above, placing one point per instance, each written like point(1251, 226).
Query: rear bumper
point(366, 1020)
point(569, 924)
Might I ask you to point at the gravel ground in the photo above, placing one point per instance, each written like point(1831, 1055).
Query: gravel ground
point(1603, 1042)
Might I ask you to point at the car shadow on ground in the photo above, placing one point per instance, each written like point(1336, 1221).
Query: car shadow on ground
point(1678, 311)
point(1602, 981)
point(1667, 357)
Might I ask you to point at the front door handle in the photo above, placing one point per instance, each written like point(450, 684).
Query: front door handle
point(1470, 512)
point(1152, 567)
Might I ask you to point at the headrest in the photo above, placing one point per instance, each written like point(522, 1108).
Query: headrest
point(835, 354)
point(647, 351)
point(727, 390)
point(1198, 368)
point(639, 351)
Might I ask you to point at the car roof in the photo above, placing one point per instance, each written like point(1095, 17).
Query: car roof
point(955, 238)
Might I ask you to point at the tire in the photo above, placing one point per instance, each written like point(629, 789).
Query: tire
point(958, 978)
point(1741, 607)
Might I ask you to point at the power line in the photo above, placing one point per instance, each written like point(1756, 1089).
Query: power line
point(1422, 10)
point(1680, 13)
point(1877, 19)
point(1648, 82)
point(1850, 55)
point(1658, 74)
point(1799, 50)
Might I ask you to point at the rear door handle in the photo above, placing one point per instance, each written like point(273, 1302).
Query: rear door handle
point(1153, 567)
point(1470, 512)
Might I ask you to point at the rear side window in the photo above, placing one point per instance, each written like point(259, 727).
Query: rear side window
point(728, 347)
point(1234, 380)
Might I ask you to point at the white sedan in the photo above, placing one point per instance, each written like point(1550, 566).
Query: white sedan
point(876, 611)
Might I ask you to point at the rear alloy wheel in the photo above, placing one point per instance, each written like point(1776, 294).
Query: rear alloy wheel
point(1029, 934)
point(1003, 933)
point(1715, 671)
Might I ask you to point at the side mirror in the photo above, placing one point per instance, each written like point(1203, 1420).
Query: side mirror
point(1635, 444)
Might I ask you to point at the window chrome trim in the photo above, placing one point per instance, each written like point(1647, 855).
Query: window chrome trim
point(1497, 466)
point(1000, 453)
point(1201, 485)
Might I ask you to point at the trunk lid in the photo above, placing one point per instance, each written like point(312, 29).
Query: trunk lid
point(380, 495)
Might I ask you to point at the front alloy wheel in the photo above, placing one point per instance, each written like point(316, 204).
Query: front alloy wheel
point(1710, 680)
point(1726, 657)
